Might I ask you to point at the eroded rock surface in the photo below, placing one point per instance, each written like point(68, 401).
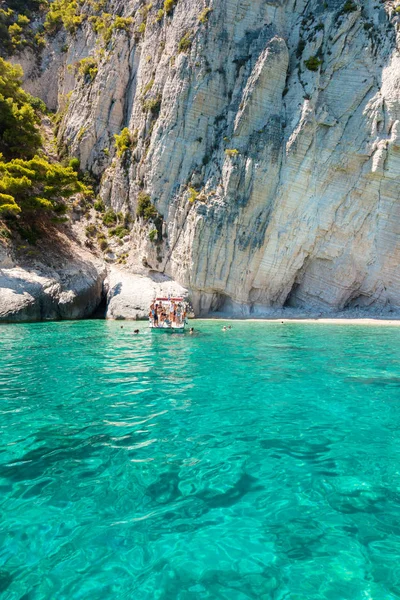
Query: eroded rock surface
point(129, 296)
point(48, 290)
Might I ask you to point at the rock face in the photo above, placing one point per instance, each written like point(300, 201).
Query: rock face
point(39, 292)
point(267, 134)
point(129, 296)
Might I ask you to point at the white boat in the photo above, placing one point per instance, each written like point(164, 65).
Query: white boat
point(168, 314)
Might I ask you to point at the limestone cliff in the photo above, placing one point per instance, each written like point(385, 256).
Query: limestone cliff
point(266, 132)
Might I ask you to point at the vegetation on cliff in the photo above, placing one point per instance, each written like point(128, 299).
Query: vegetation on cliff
point(29, 182)
point(32, 23)
point(16, 31)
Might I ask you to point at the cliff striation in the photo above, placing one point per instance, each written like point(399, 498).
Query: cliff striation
point(264, 134)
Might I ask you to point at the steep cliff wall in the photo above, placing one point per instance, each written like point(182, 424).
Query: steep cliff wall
point(267, 134)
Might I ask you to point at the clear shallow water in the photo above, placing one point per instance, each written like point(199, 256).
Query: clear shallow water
point(259, 463)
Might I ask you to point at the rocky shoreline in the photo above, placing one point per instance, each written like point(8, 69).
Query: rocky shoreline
point(61, 279)
point(81, 290)
point(78, 292)
point(67, 282)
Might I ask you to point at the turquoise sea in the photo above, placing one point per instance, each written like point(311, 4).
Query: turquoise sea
point(258, 463)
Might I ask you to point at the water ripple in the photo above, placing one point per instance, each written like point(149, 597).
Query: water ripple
point(261, 463)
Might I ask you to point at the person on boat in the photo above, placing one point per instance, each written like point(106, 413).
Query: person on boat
point(172, 313)
point(159, 311)
point(155, 317)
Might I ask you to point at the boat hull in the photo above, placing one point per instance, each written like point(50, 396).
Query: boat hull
point(167, 329)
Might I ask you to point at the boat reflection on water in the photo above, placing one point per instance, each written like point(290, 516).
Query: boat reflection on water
point(168, 314)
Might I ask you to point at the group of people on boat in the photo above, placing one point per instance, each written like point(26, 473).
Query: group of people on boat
point(171, 313)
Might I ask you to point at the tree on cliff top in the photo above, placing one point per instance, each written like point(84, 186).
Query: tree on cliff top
point(36, 185)
point(19, 121)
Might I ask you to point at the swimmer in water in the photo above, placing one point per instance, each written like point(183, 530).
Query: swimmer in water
point(224, 328)
point(136, 332)
point(191, 330)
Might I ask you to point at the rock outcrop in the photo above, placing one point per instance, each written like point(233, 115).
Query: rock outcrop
point(129, 296)
point(267, 135)
point(56, 286)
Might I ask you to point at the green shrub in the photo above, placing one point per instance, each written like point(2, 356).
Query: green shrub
point(81, 133)
point(29, 184)
point(67, 13)
point(102, 26)
point(349, 6)
point(313, 63)
point(99, 206)
point(36, 185)
point(203, 17)
point(102, 241)
point(152, 105)
point(75, 164)
point(153, 235)
point(19, 119)
point(193, 194)
point(185, 43)
point(40, 41)
point(88, 68)
point(125, 141)
point(16, 31)
point(109, 218)
point(5, 233)
point(148, 86)
point(160, 15)
point(91, 230)
point(122, 23)
point(231, 152)
point(144, 201)
point(145, 208)
point(29, 233)
point(120, 231)
point(169, 6)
